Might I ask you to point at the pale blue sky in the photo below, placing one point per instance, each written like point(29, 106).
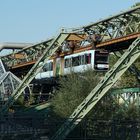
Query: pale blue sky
point(36, 20)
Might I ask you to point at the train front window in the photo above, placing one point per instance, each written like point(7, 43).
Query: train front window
point(101, 57)
point(82, 58)
point(67, 63)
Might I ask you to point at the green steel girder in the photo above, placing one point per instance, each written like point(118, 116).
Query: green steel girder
point(8, 83)
point(133, 69)
point(48, 52)
point(116, 26)
point(127, 59)
point(125, 90)
point(30, 53)
point(136, 71)
point(119, 93)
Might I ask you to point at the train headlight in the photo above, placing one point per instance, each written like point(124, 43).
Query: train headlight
point(102, 66)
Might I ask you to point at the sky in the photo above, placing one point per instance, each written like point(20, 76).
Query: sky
point(33, 21)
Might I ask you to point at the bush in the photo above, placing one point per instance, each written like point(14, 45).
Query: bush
point(73, 90)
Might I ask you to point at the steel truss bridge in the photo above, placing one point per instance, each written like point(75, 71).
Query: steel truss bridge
point(116, 33)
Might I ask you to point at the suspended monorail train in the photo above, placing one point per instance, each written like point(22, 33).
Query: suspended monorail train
point(78, 62)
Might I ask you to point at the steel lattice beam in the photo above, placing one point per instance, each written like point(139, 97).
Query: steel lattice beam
point(123, 92)
point(32, 53)
point(27, 54)
point(100, 90)
point(115, 26)
point(133, 69)
point(50, 50)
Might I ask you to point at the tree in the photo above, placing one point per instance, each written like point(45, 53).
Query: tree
point(73, 89)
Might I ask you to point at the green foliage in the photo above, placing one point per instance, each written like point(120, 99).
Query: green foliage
point(20, 101)
point(109, 109)
point(105, 109)
point(112, 60)
point(73, 89)
point(129, 79)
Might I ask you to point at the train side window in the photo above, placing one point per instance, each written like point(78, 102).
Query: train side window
point(51, 66)
point(67, 63)
point(88, 58)
point(75, 61)
point(82, 58)
point(48, 67)
point(45, 68)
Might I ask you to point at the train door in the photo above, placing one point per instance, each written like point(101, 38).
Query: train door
point(58, 67)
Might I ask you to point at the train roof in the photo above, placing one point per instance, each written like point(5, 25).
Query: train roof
point(80, 53)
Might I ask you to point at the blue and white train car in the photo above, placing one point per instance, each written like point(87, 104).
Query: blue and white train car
point(78, 62)
point(82, 61)
point(47, 71)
